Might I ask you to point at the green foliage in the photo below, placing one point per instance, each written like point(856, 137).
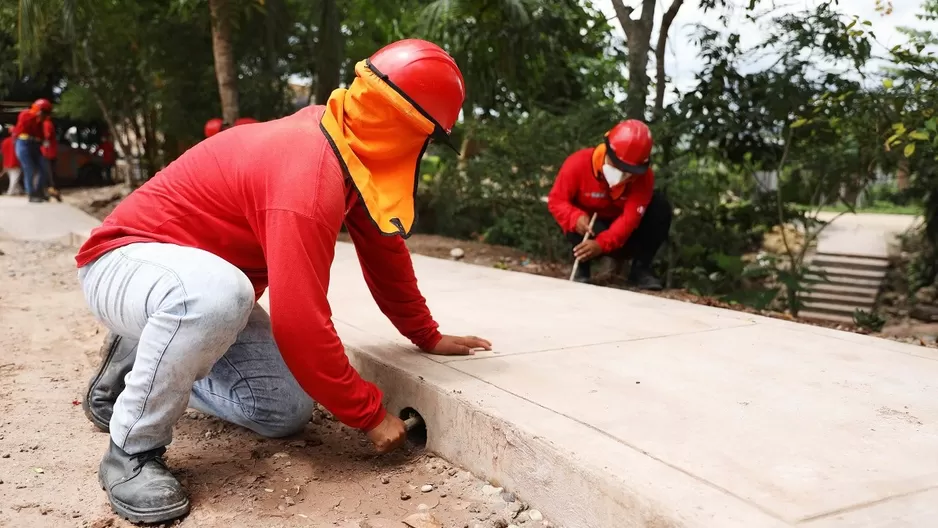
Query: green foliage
point(498, 194)
point(870, 321)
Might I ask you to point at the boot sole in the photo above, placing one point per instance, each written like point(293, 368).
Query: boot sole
point(93, 418)
point(154, 516)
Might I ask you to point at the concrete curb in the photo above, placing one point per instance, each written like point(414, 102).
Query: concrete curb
point(574, 478)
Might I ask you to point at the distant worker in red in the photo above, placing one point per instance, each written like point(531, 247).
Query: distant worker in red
point(29, 135)
point(11, 165)
point(176, 270)
point(216, 125)
point(614, 181)
point(108, 157)
point(49, 150)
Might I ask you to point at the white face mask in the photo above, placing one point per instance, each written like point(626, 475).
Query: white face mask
point(612, 174)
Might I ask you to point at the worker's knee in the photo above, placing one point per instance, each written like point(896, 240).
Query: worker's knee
point(288, 418)
point(659, 209)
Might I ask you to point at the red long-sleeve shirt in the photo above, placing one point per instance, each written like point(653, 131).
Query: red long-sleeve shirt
point(270, 199)
point(50, 146)
point(28, 123)
point(577, 192)
point(8, 149)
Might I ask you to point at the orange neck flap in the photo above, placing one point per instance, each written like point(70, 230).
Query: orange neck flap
point(380, 138)
point(599, 159)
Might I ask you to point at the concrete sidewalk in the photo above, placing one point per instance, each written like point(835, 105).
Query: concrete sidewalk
point(606, 408)
point(609, 409)
point(48, 221)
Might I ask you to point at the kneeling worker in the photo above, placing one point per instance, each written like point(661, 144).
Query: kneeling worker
point(175, 272)
point(614, 181)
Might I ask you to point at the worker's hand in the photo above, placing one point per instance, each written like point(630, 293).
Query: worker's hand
point(460, 346)
point(389, 435)
point(583, 225)
point(587, 250)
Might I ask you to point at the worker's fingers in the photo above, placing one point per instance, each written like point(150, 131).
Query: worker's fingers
point(475, 342)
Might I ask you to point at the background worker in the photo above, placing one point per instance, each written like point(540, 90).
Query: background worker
point(108, 157)
point(29, 136)
point(11, 165)
point(49, 150)
point(176, 269)
point(614, 181)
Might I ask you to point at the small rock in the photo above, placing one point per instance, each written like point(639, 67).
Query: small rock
point(281, 507)
point(535, 515)
point(385, 480)
point(289, 501)
point(457, 253)
point(281, 455)
point(423, 520)
point(488, 489)
point(6, 455)
point(500, 523)
point(453, 472)
point(381, 523)
point(268, 490)
point(298, 444)
point(405, 496)
point(442, 493)
point(422, 508)
point(508, 496)
point(426, 488)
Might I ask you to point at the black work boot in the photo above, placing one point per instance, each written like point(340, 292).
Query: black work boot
point(642, 277)
point(582, 273)
point(106, 385)
point(604, 269)
point(140, 487)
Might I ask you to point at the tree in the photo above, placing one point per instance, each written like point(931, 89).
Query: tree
point(223, 50)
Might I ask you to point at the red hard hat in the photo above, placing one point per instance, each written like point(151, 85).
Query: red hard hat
point(245, 121)
point(213, 126)
point(628, 145)
point(425, 74)
point(43, 105)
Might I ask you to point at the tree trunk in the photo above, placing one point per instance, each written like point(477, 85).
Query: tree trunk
point(638, 40)
point(223, 50)
point(660, 50)
point(902, 174)
point(328, 52)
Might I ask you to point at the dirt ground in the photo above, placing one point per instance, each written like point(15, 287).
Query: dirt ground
point(325, 477)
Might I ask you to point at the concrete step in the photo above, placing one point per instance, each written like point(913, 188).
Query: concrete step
point(851, 273)
point(843, 289)
point(832, 308)
point(862, 302)
point(837, 280)
point(857, 263)
point(820, 316)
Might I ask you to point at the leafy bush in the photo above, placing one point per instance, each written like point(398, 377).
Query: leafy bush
point(498, 195)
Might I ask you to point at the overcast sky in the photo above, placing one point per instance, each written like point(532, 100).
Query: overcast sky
point(683, 60)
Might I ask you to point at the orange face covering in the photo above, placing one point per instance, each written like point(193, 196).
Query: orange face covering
point(599, 159)
point(380, 137)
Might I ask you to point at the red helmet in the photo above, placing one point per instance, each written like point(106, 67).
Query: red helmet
point(213, 126)
point(42, 105)
point(426, 75)
point(628, 146)
point(245, 121)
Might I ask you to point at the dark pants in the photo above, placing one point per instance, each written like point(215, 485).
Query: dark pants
point(644, 242)
point(30, 158)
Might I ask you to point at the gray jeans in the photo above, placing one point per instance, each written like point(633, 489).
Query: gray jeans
point(201, 341)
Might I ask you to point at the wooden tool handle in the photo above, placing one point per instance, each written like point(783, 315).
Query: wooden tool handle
point(576, 263)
